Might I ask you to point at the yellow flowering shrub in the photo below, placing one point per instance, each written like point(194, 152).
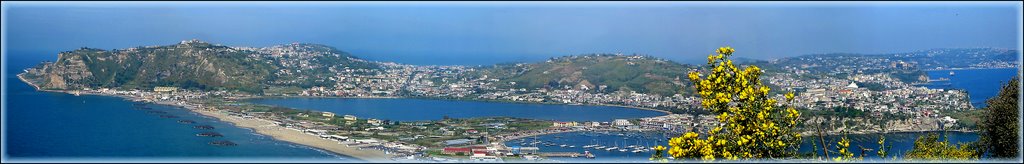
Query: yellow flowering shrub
point(753, 125)
point(883, 150)
point(659, 154)
point(928, 147)
point(843, 147)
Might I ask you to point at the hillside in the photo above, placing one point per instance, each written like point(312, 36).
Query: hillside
point(616, 72)
point(908, 67)
point(306, 65)
point(929, 59)
point(193, 64)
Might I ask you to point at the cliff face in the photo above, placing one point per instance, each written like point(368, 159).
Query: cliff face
point(190, 64)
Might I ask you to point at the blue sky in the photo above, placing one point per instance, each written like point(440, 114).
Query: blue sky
point(473, 33)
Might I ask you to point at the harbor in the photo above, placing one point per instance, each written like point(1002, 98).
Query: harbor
point(583, 146)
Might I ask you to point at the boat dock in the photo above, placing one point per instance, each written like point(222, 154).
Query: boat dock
point(561, 154)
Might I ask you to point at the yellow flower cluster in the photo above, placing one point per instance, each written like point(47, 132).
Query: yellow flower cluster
point(752, 127)
point(725, 50)
point(928, 147)
point(882, 152)
point(844, 153)
point(658, 151)
point(690, 146)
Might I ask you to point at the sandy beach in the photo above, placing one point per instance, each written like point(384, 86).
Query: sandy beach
point(281, 133)
point(268, 128)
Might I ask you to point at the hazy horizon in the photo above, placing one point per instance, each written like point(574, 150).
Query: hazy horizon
point(476, 33)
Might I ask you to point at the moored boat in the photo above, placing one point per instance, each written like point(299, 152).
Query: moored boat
point(223, 143)
point(210, 134)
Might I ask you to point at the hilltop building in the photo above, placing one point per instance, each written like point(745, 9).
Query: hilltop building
point(350, 118)
point(165, 89)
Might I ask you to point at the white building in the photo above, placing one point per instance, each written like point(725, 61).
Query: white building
point(350, 118)
point(621, 122)
point(374, 122)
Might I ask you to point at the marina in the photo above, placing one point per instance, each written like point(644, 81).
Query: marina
point(638, 147)
point(628, 146)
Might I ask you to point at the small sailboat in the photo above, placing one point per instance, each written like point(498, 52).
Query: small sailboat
point(613, 148)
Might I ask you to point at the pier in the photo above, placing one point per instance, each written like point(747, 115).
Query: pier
point(561, 154)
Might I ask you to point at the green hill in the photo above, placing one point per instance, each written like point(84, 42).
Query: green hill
point(642, 74)
point(193, 64)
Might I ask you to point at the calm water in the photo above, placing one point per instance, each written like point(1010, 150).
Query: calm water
point(901, 142)
point(44, 125)
point(405, 109)
point(981, 84)
point(608, 139)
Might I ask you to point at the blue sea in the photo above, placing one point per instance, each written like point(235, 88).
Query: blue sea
point(408, 109)
point(980, 84)
point(55, 126)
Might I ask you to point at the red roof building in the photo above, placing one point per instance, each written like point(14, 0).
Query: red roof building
point(456, 150)
point(480, 151)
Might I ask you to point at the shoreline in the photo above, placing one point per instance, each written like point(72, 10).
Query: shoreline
point(269, 128)
point(809, 133)
point(262, 127)
point(954, 69)
point(805, 135)
point(20, 77)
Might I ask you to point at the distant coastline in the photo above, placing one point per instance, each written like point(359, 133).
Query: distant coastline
point(954, 69)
